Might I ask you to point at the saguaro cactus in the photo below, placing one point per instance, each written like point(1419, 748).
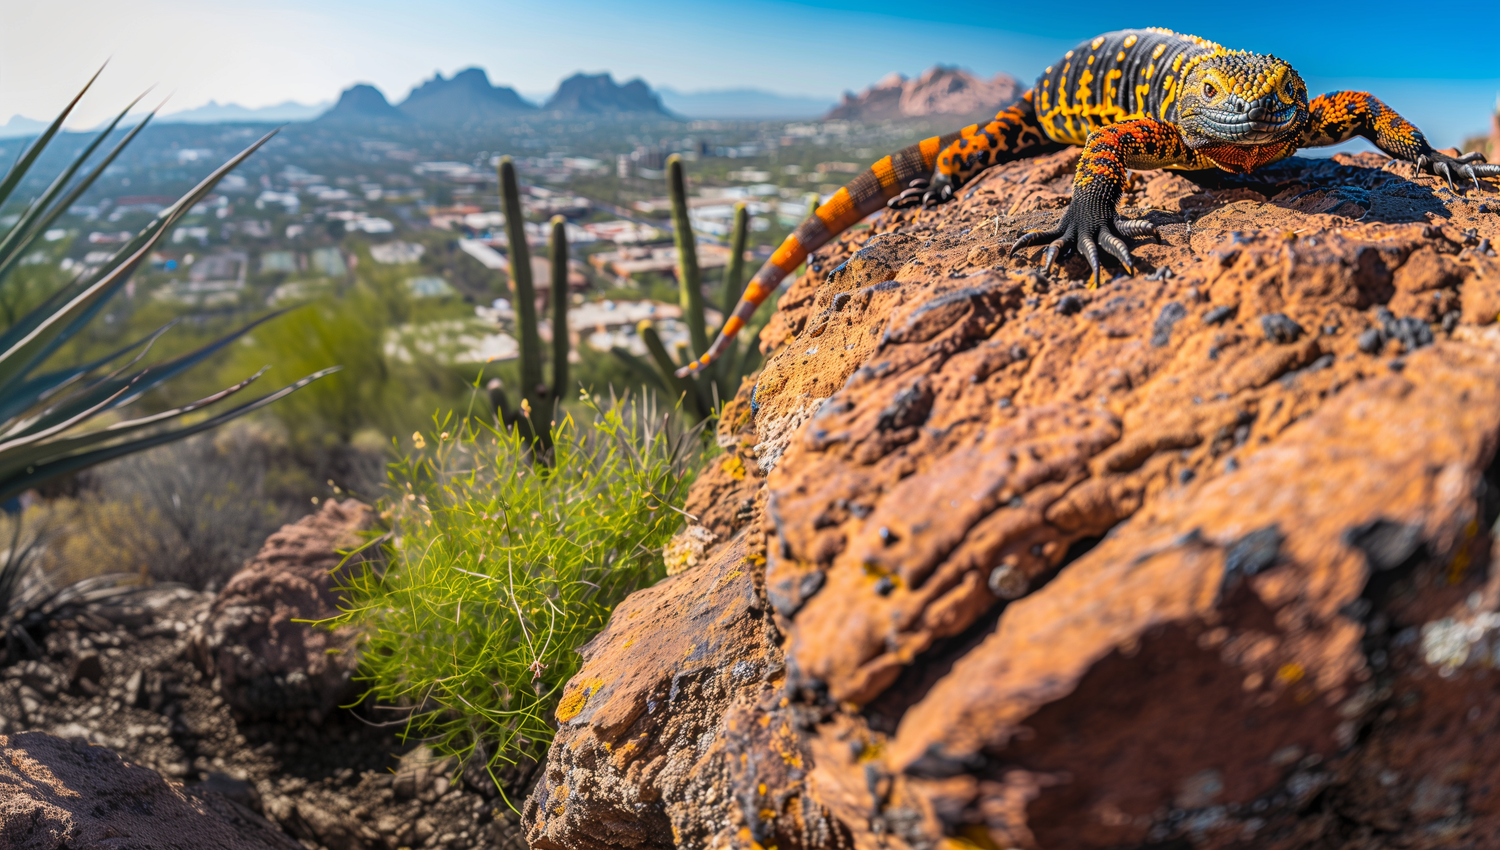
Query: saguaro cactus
point(689, 278)
point(722, 381)
point(734, 284)
point(539, 408)
point(560, 344)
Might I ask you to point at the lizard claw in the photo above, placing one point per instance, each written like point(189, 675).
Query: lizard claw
point(924, 192)
point(1470, 165)
point(1035, 237)
point(910, 196)
point(1088, 237)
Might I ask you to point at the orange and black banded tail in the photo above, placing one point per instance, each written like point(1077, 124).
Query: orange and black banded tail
point(864, 195)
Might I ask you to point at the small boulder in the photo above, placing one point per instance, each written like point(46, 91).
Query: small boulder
point(262, 660)
point(57, 794)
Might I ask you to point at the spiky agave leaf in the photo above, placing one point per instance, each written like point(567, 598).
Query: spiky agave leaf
point(23, 165)
point(44, 211)
point(45, 329)
point(67, 454)
point(45, 418)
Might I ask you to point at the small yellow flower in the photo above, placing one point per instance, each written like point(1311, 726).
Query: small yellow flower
point(526, 407)
point(443, 436)
point(416, 439)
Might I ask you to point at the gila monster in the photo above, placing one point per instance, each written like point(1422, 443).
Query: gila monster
point(1148, 98)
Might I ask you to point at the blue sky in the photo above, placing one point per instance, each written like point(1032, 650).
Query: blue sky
point(259, 52)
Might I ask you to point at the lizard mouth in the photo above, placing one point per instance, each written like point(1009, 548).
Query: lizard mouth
point(1244, 122)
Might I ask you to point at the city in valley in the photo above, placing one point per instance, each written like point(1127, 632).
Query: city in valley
point(408, 192)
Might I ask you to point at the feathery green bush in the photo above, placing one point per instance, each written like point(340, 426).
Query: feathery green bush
point(498, 568)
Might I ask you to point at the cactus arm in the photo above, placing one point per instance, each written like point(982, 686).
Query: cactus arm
point(539, 414)
point(560, 342)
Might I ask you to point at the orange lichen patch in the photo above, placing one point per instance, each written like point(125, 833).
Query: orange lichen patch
point(577, 697)
point(733, 467)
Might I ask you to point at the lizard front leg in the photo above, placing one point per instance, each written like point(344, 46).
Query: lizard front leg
point(1340, 116)
point(1092, 221)
point(1013, 134)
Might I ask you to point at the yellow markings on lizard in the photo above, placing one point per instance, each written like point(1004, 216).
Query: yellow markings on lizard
point(1096, 43)
point(1130, 41)
point(1170, 90)
point(1111, 93)
point(1081, 98)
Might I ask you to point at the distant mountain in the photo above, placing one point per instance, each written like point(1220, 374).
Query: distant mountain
point(21, 126)
point(747, 104)
point(468, 98)
point(363, 104)
point(940, 91)
point(214, 113)
point(599, 94)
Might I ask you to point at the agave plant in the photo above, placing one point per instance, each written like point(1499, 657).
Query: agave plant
point(50, 420)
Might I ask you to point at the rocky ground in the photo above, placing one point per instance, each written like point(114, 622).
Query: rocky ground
point(128, 674)
point(1198, 559)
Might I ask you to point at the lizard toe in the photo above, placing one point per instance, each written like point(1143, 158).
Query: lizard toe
point(1035, 237)
point(1049, 257)
point(1138, 228)
point(1117, 248)
point(1090, 252)
point(908, 198)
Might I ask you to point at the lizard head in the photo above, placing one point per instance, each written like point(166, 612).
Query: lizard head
point(1241, 99)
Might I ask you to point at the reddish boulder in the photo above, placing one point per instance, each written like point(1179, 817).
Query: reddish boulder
point(261, 659)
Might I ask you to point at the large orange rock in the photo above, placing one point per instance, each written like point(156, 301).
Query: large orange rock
point(1201, 556)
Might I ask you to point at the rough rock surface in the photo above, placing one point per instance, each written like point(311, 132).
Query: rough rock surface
point(261, 660)
point(56, 793)
point(642, 759)
point(1201, 558)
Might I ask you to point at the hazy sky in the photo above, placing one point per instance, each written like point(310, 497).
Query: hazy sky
point(261, 52)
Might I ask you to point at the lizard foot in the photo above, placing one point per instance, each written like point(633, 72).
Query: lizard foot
point(1471, 165)
point(924, 192)
point(1088, 234)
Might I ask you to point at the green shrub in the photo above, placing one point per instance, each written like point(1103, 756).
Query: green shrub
point(498, 568)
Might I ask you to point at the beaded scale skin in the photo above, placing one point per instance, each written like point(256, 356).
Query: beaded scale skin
point(1133, 99)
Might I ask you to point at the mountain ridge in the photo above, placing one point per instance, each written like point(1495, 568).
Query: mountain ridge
point(362, 103)
point(599, 94)
point(466, 97)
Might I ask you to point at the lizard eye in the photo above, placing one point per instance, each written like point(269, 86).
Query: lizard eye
point(1209, 91)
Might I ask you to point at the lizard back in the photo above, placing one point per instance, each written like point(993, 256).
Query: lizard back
point(1114, 77)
